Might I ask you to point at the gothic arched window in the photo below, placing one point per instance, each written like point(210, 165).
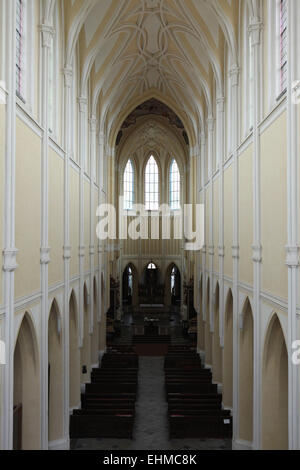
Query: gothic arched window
point(151, 266)
point(151, 185)
point(128, 184)
point(174, 186)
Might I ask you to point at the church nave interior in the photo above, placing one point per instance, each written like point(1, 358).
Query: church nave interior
point(149, 208)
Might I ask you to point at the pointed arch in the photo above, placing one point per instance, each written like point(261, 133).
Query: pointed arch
point(246, 371)
point(217, 350)
point(128, 185)
point(152, 184)
point(228, 353)
point(55, 374)
point(208, 334)
point(174, 185)
point(26, 387)
point(74, 353)
point(275, 388)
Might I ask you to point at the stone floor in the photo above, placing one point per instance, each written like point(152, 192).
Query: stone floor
point(151, 424)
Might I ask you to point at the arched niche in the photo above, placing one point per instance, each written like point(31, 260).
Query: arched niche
point(217, 350)
point(95, 335)
point(55, 375)
point(275, 389)
point(228, 353)
point(208, 334)
point(201, 324)
point(26, 388)
point(246, 368)
point(85, 353)
point(74, 353)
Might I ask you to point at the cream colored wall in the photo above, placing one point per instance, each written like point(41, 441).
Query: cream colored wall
point(87, 218)
point(56, 217)
point(228, 218)
point(216, 223)
point(246, 215)
point(28, 210)
point(274, 208)
point(74, 221)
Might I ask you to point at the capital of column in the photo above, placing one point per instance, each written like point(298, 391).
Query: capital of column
point(221, 251)
point(257, 253)
point(234, 74)
point(292, 256)
point(67, 252)
point(45, 255)
point(210, 124)
point(93, 124)
point(82, 101)
point(10, 260)
point(220, 104)
point(81, 251)
point(254, 30)
point(68, 76)
point(92, 250)
point(47, 33)
point(235, 251)
point(211, 250)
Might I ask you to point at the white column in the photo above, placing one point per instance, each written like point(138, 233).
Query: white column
point(211, 248)
point(68, 77)
point(203, 173)
point(82, 104)
point(93, 126)
point(46, 39)
point(10, 251)
point(221, 149)
point(234, 75)
point(101, 197)
point(255, 33)
point(292, 249)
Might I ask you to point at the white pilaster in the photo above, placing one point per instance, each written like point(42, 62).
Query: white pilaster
point(292, 249)
point(93, 126)
point(255, 35)
point(234, 76)
point(10, 251)
point(68, 77)
point(221, 252)
point(82, 107)
point(46, 40)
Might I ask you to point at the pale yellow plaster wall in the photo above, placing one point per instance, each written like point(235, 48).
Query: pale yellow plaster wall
point(274, 208)
point(74, 221)
point(56, 217)
point(228, 220)
point(87, 218)
point(216, 223)
point(28, 210)
point(246, 215)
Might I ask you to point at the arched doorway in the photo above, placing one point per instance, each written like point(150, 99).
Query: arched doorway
point(246, 376)
point(208, 334)
point(95, 335)
point(74, 364)
point(26, 388)
point(275, 389)
point(228, 353)
point(173, 286)
point(86, 344)
point(55, 375)
point(201, 324)
point(129, 288)
point(217, 350)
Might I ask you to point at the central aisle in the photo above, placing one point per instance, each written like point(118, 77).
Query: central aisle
point(151, 425)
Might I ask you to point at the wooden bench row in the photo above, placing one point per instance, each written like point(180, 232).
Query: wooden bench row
point(108, 404)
